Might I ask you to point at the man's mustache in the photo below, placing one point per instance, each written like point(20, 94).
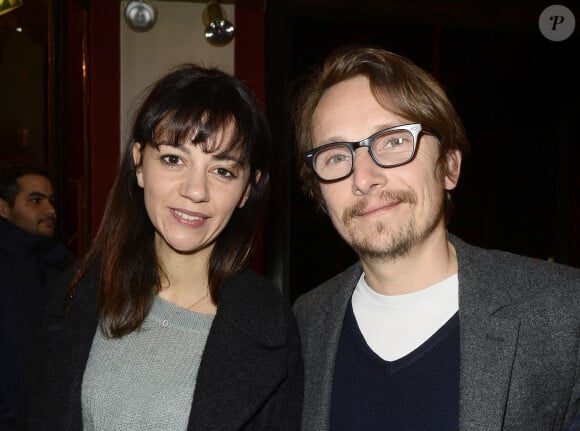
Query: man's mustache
point(51, 219)
point(387, 196)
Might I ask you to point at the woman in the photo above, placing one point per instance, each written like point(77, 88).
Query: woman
point(163, 327)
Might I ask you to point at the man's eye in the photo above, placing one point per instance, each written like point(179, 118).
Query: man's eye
point(395, 142)
point(392, 141)
point(336, 158)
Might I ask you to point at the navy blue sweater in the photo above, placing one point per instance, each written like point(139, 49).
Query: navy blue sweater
point(419, 392)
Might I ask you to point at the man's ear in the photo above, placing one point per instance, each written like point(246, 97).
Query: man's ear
point(138, 163)
point(453, 164)
point(5, 210)
point(246, 194)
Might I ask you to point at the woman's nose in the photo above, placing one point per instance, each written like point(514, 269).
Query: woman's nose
point(195, 186)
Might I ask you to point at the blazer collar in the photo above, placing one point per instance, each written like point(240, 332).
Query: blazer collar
point(487, 339)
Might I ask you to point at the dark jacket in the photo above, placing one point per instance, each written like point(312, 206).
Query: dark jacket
point(519, 342)
point(250, 376)
point(29, 264)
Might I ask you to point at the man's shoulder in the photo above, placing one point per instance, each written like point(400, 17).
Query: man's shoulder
point(471, 257)
point(521, 277)
point(344, 283)
point(58, 256)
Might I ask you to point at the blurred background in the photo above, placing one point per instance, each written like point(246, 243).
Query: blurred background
point(71, 73)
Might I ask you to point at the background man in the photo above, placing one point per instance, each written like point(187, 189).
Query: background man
point(425, 332)
point(30, 259)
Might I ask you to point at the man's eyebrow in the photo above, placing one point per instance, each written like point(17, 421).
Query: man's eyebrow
point(38, 195)
point(371, 132)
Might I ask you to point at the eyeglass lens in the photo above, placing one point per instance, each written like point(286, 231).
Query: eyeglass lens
point(387, 149)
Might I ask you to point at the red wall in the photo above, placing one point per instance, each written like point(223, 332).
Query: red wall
point(104, 104)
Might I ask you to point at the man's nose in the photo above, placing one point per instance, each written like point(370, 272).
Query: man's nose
point(50, 209)
point(368, 177)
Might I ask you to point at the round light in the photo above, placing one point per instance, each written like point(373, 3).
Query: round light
point(219, 32)
point(140, 15)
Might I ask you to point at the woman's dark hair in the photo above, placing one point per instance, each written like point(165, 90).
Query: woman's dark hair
point(191, 102)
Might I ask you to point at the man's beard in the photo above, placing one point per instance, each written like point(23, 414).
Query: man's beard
point(398, 240)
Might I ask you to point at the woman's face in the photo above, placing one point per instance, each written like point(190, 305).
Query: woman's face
point(190, 195)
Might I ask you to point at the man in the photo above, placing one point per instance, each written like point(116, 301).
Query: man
point(424, 332)
point(30, 259)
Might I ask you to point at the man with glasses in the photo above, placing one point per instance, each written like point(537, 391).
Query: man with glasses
point(424, 332)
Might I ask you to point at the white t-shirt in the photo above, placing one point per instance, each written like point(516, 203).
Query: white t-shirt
point(395, 325)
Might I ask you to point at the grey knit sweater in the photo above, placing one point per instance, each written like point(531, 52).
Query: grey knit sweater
point(145, 380)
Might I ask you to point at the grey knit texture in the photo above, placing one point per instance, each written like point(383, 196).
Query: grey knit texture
point(145, 380)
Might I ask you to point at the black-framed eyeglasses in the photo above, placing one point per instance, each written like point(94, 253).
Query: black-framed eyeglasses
point(388, 148)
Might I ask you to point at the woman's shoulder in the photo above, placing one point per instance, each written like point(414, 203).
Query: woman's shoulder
point(248, 283)
point(251, 301)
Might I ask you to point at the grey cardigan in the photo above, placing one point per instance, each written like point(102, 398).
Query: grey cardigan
point(519, 342)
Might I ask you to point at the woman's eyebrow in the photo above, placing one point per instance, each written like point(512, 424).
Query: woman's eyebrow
point(227, 156)
point(181, 147)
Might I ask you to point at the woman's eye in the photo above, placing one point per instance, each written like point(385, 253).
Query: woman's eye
point(171, 159)
point(226, 173)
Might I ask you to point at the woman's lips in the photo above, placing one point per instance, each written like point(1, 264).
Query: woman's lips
point(189, 217)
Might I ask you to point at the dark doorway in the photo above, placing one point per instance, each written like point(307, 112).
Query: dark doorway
point(517, 92)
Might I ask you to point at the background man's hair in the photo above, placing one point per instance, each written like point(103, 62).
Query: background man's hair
point(11, 171)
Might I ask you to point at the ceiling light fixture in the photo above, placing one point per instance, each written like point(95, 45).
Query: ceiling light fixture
point(140, 15)
point(218, 30)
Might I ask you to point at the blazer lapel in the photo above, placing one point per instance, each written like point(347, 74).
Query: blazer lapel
point(488, 345)
point(320, 343)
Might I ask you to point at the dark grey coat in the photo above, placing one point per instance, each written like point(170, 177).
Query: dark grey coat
point(250, 376)
point(519, 339)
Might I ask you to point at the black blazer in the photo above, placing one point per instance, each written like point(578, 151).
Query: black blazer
point(250, 376)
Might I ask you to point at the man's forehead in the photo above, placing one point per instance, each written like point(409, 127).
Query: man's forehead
point(34, 183)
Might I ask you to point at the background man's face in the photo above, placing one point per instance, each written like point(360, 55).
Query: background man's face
point(33, 209)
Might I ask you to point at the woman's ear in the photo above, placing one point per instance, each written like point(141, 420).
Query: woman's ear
point(246, 194)
point(138, 163)
point(453, 170)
